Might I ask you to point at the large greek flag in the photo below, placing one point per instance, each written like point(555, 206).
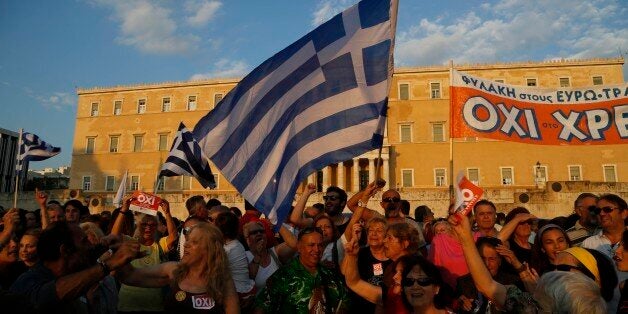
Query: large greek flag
point(32, 148)
point(319, 101)
point(186, 158)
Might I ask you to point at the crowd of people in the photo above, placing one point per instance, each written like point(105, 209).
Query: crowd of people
point(61, 258)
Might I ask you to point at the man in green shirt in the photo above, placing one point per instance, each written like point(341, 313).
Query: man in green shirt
point(302, 285)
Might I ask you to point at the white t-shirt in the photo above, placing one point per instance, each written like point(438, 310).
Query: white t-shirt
point(328, 252)
point(239, 266)
point(263, 272)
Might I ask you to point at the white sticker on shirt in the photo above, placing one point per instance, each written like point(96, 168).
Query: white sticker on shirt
point(202, 302)
point(378, 270)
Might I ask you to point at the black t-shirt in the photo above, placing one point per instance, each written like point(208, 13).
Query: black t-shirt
point(372, 271)
point(522, 254)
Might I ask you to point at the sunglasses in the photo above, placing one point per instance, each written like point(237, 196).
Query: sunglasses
point(391, 200)
point(596, 210)
point(256, 232)
point(423, 282)
point(331, 198)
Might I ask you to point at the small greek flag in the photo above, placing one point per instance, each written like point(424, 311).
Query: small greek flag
point(186, 158)
point(32, 148)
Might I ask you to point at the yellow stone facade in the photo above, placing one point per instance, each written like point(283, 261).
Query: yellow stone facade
point(416, 152)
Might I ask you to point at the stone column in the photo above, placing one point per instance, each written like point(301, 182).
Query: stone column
point(326, 178)
point(355, 178)
point(311, 178)
point(386, 174)
point(371, 170)
point(340, 175)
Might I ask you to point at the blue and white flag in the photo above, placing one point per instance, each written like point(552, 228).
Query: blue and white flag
point(319, 101)
point(186, 158)
point(32, 148)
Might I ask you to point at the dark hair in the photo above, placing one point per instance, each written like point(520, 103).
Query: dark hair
point(404, 231)
point(487, 241)
point(308, 230)
point(583, 196)
point(341, 192)
point(513, 213)
point(236, 211)
point(405, 207)
point(420, 212)
point(51, 239)
point(608, 276)
point(624, 239)
point(74, 203)
point(539, 260)
point(227, 222)
point(212, 202)
point(333, 225)
point(194, 201)
point(319, 206)
point(409, 262)
point(249, 206)
point(484, 202)
point(615, 199)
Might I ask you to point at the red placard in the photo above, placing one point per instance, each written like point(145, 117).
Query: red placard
point(467, 194)
point(145, 203)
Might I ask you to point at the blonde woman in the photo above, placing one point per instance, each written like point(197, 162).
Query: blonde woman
point(201, 281)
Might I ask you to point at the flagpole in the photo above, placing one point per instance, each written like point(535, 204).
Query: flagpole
point(451, 140)
point(17, 175)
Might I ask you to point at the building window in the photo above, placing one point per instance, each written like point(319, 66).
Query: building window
point(575, 173)
point(473, 174)
point(161, 183)
point(87, 183)
point(138, 143)
point(438, 132)
point(141, 106)
point(94, 111)
point(163, 142)
point(540, 174)
point(89, 148)
point(499, 81)
point(405, 133)
point(507, 175)
point(440, 177)
point(109, 183)
point(217, 99)
point(135, 183)
point(186, 182)
point(597, 80)
point(191, 103)
point(435, 90)
point(407, 178)
point(610, 173)
point(404, 91)
point(564, 82)
point(531, 82)
point(113, 144)
point(165, 105)
point(117, 107)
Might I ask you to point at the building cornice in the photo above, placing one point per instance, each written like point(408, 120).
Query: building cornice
point(398, 70)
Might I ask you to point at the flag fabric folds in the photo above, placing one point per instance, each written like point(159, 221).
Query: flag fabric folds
point(117, 200)
point(32, 148)
point(186, 158)
point(319, 101)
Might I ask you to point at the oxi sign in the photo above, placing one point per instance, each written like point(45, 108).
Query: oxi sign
point(539, 116)
point(145, 203)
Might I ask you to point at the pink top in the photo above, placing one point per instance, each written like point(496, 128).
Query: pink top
point(446, 253)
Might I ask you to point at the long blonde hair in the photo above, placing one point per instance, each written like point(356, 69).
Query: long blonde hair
point(216, 269)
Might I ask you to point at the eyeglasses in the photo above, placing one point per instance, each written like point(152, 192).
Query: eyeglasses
point(596, 210)
point(331, 198)
point(391, 200)
point(256, 232)
point(423, 282)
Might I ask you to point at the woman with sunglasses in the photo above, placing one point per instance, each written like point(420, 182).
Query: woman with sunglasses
point(421, 282)
point(200, 282)
point(401, 240)
point(554, 292)
point(594, 265)
point(132, 299)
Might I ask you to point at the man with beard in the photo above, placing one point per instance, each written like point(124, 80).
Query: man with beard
point(335, 201)
point(391, 203)
point(587, 225)
point(58, 283)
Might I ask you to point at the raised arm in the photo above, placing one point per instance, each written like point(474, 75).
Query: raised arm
point(349, 269)
point(296, 217)
point(490, 288)
point(510, 227)
point(352, 203)
point(359, 211)
point(155, 276)
point(10, 220)
point(119, 223)
point(41, 198)
point(172, 229)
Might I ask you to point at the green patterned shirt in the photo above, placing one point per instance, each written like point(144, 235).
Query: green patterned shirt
point(292, 289)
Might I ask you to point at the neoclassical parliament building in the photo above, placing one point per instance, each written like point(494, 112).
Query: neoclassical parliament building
point(132, 128)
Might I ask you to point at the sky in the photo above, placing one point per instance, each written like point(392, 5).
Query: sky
point(49, 48)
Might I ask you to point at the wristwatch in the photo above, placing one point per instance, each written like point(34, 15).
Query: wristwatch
point(361, 203)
